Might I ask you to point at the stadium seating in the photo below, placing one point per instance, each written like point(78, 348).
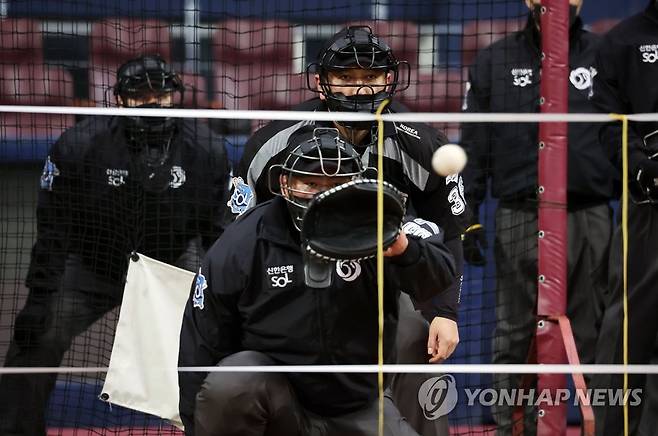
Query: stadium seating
point(20, 41)
point(36, 85)
point(115, 41)
point(401, 36)
point(252, 42)
point(438, 91)
point(477, 35)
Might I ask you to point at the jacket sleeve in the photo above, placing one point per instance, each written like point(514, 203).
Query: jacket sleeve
point(443, 202)
point(427, 267)
point(446, 304)
point(608, 98)
point(55, 209)
point(211, 328)
point(476, 136)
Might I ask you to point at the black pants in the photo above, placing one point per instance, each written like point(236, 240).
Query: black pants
point(589, 233)
point(255, 404)
point(642, 321)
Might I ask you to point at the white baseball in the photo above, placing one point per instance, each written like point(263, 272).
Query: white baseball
point(449, 159)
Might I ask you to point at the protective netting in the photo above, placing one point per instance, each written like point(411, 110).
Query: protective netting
point(252, 55)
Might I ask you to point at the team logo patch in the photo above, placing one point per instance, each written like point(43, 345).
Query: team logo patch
point(583, 78)
point(241, 196)
point(116, 177)
point(48, 175)
point(649, 53)
point(521, 77)
point(200, 285)
point(177, 177)
point(348, 270)
point(280, 276)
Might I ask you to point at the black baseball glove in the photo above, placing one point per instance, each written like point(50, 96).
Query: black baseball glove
point(341, 223)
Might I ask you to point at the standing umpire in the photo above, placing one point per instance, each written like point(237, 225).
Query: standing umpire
point(626, 83)
point(505, 78)
point(356, 72)
point(110, 186)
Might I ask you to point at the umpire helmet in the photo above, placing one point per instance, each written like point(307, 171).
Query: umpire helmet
point(318, 152)
point(356, 47)
point(145, 82)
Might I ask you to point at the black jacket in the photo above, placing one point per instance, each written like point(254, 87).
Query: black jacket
point(505, 78)
point(408, 153)
point(98, 201)
point(250, 295)
point(628, 67)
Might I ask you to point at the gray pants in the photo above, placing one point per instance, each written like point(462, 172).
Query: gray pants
point(257, 404)
point(589, 233)
point(403, 413)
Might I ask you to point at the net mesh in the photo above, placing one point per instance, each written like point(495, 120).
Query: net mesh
point(239, 55)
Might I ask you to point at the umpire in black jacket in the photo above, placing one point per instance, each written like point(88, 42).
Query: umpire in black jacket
point(110, 186)
point(506, 78)
point(626, 84)
point(250, 306)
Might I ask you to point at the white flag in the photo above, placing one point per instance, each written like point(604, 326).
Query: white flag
point(143, 371)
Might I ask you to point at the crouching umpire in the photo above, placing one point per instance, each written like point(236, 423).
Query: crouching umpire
point(271, 292)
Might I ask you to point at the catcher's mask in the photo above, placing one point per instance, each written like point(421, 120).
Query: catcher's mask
point(355, 47)
point(318, 160)
point(148, 82)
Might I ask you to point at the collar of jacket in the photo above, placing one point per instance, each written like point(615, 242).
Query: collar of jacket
point(534, 37)
point(389, 128)
point(277, 226)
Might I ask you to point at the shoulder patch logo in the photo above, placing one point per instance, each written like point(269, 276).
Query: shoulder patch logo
point(200, 285)
point(348, 270)
point(241, 196)
point(48, 175)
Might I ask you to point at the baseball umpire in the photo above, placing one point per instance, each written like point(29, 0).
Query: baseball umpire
point(355, 72)
point(110, 186)
point(625, 84)
point(250, 305)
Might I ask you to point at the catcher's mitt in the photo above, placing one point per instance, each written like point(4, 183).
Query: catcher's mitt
point(341, 223)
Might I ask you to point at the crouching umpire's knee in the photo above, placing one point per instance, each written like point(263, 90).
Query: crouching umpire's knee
point(245, 403)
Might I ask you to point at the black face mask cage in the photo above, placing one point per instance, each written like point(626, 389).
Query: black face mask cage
point(146, 79)
point(358, 49)
point(323, 155)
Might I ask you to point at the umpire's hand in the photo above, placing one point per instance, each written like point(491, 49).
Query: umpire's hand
point(399, 246)
point(443, 339)
point(475, 245)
